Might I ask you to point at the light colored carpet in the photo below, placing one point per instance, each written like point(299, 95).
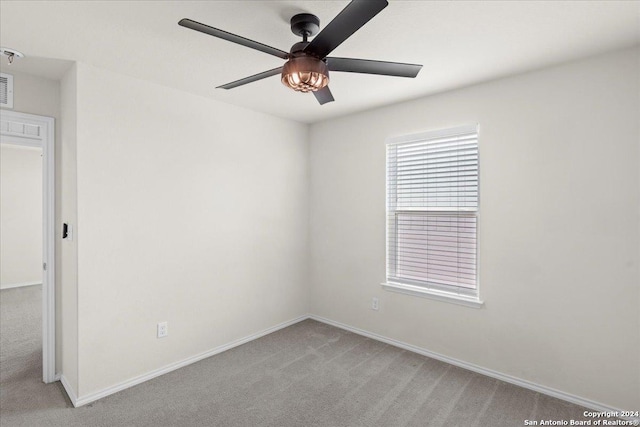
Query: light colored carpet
point(309, 374)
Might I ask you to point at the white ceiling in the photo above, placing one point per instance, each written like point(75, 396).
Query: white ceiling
point(459, 42)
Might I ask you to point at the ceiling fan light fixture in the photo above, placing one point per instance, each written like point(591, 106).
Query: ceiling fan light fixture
point(305, 74)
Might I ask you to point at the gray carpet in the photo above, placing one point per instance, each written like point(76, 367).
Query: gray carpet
point(308, 374)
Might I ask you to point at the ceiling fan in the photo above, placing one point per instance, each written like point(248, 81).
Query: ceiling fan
point(307, 67)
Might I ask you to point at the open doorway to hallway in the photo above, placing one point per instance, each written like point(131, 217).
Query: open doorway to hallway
point(21, 257)
point(20, 216)
point(27, 276)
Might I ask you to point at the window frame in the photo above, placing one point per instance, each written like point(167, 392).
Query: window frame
point(453, 294)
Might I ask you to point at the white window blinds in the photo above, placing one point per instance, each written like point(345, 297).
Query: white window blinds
point(432, 203)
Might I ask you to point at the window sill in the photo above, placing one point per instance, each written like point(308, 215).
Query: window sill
point(417, 291)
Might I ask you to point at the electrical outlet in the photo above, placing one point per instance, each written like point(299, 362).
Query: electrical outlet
point(163, 329)
point(375, 304)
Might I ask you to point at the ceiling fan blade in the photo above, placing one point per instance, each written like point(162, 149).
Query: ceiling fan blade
point(252, 79)
point(193, 25)
point(324, 95)
point(365, 66)
point(355, 15)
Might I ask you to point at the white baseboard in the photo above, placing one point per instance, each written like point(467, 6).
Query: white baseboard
point(70, 391)
point(19, 285)
point(91, 397)
point(590, 404)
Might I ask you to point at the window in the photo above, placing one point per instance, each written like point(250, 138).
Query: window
point(432, 214)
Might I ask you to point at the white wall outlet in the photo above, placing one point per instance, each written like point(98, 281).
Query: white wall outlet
point(163, 329)
point(375, 304)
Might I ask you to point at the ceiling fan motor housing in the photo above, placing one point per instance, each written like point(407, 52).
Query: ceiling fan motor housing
point(298, 49)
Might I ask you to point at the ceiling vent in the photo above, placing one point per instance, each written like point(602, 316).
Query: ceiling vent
point(6, 90)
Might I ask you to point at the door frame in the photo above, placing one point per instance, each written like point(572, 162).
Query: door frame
point(39, 131)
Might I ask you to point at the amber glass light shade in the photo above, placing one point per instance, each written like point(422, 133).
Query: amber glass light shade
point(305, 74)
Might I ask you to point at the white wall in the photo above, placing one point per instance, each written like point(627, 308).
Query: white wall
point(67, 249)
point(189, 211)
point(559, 232)
point(20, 215)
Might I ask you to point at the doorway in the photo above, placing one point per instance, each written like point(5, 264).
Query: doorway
point(31, 131)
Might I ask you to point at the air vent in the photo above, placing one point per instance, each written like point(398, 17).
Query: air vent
point(6, 90)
